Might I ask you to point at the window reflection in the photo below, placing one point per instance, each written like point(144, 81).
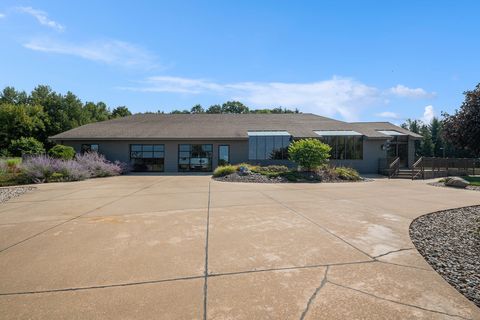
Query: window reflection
point(268, 147)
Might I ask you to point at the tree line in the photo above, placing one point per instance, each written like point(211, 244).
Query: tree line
point(31, 118)
point(27, 120)
point(453, 135)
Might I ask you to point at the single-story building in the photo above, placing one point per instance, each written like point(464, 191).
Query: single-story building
point(201, 142)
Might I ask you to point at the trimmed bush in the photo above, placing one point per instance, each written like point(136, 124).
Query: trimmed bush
point(309, 154)
point(224, 171)
point(60, 151)
point(345, 173)
point(26, 146)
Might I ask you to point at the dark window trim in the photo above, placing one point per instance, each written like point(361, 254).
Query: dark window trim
point(153, 152)
point(190, 155)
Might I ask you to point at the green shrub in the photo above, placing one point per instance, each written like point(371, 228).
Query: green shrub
point(224, 171)
point(56, 177)
point(292, 176)
point(345, 173)
point(29, 146)
point(60, 151)
point(309, 154)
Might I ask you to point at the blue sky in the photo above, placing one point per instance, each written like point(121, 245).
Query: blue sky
point(350, 60)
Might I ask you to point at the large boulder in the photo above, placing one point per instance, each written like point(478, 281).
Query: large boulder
point(456, 182)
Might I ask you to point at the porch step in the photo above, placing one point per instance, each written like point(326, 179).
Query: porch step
point(406, 174)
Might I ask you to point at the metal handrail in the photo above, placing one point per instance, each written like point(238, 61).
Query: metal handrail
point(394, 167)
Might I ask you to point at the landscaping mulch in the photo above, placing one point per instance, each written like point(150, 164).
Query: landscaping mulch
point(8, 193)
point(441, 184)
point(450, 242)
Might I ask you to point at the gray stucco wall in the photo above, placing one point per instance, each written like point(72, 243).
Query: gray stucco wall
point(372, 152)
point(120, 150)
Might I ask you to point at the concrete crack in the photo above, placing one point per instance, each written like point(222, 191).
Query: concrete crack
point(126, 284)
point(314, 295)
point(74, 218)
point(394, 301)
point(392, 251)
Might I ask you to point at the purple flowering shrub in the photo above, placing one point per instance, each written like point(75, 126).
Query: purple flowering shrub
point(39, 169)
point(97, 166)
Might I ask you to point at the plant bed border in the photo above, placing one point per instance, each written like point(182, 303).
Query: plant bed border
point(449, 240)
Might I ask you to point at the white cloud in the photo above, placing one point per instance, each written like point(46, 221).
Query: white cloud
point(42, 17)
point(428, 114)
point(388, 115)
point(337, 96)
point(403, 91)
point(112, 52)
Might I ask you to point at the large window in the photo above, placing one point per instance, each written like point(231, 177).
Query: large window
point(195, 157)
point(147, 157)
point(345, 147)
point(223, 154)
point(92, 147)
point(268, 147)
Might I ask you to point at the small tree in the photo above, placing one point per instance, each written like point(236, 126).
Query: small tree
point(30, 146)
point(60, 151)
point(309, 153)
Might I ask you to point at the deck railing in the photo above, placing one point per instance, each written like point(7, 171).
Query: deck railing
point(444, 166)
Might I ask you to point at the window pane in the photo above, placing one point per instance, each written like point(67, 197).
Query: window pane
point(135, 154)
point(358, 147)
point(252, 148)
point(184, 147)
point(223, 153)
point(208, 147)
point(350, 150)
point(148, 154)
point(269, 154)
point(158, 147)
point(158, 155)
point(341, 148)
point(147, 147)
point(260, 148)
point(136, 147)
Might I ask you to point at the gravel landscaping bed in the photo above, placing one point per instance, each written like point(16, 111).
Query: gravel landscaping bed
point(450, 242)
point(259, 178)
point(441, 184)
point(8, 193)
point(252, 177)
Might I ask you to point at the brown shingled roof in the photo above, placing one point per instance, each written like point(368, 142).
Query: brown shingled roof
point(216, 126)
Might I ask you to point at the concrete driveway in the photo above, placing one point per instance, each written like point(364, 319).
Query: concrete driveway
point(187, 247)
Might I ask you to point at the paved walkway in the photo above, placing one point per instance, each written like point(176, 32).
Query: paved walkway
point(169, 247)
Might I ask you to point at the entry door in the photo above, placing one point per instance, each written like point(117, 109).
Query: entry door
point(403, 154)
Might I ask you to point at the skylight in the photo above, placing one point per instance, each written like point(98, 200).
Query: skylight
point(268, 133)
point(326, 133)
point(391, 133)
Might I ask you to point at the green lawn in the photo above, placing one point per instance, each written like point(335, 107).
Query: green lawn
point(474, 180)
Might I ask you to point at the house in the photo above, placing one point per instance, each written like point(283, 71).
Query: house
point(200, 142)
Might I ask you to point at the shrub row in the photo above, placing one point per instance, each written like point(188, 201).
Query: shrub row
point(39, 169)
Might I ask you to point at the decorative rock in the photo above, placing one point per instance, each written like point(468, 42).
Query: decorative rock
point(450, 242)
point(12, 192)
point(456, 182)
